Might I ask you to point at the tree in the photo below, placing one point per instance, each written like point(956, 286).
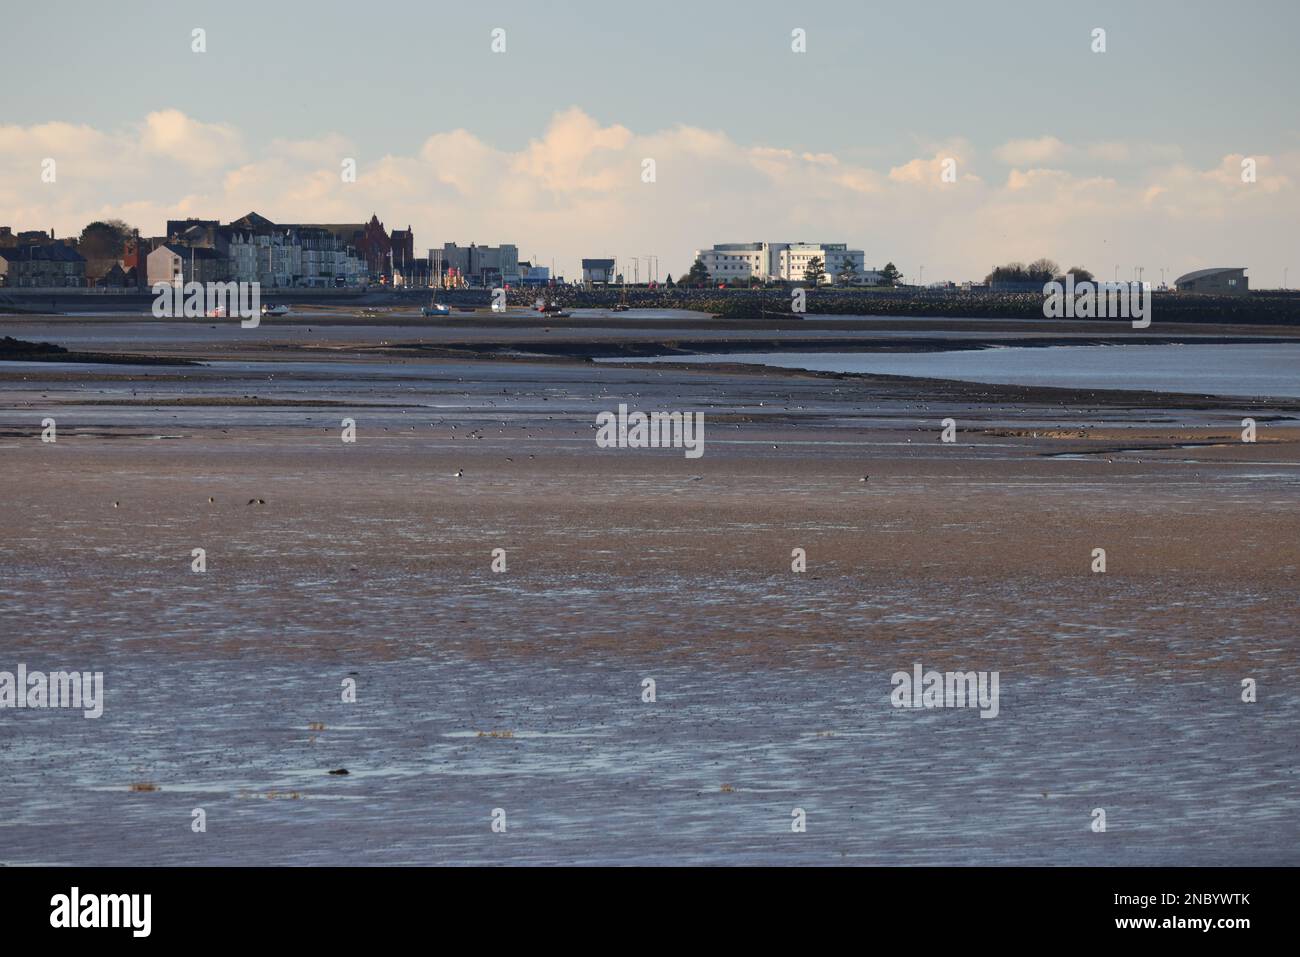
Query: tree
point(699, 274)
point(889, 276)
point(1039, 271)
point(102, 244)
point(1080, 274)
point(813, 272)
point(104, 239)
point(670, 284)
point(849, 274)
point(1011, 272)
point(1042, 270)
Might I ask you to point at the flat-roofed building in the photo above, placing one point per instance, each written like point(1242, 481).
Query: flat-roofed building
point(474, 265)
point(597, 271)
point(770, 262)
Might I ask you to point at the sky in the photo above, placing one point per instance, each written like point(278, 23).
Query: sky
point(1107, 160)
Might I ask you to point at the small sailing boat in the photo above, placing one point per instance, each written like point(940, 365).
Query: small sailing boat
point(435, 308)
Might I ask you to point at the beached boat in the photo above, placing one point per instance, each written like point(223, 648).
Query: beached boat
point(436, 309)
point(273, 311)
point(547, 305)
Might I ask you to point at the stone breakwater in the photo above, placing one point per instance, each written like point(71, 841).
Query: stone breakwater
point(1265, 308)
point(1274, 308)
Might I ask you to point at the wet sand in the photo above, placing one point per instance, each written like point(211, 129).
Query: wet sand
point(522, 690)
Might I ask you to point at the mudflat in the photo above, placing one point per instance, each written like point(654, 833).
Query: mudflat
point(524, 689)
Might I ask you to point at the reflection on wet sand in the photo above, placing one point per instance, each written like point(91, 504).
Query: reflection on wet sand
point(523, 690)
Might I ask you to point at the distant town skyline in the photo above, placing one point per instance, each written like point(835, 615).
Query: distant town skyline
point(1135, 156)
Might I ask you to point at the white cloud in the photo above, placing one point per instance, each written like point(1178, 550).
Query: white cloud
point(929, 173)
point(172, 135)
point(576, 190)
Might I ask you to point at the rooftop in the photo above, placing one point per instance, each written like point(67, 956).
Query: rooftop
point(44, 252)
point(1202, 273)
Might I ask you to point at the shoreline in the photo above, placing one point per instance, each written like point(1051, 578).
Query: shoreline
point(537, 342)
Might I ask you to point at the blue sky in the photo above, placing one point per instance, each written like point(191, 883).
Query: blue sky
point(881, 85)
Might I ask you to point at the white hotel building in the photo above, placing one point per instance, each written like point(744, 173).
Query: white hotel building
point(779, 261)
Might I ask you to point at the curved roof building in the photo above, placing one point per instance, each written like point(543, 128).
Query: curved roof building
point(1218, 281)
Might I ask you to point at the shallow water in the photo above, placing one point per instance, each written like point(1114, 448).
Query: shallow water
point(1244, 369)
point(709, 773)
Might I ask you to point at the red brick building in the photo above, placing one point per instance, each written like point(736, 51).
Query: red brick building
point(403, 245)
point(135, 257)
point(373, 246)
